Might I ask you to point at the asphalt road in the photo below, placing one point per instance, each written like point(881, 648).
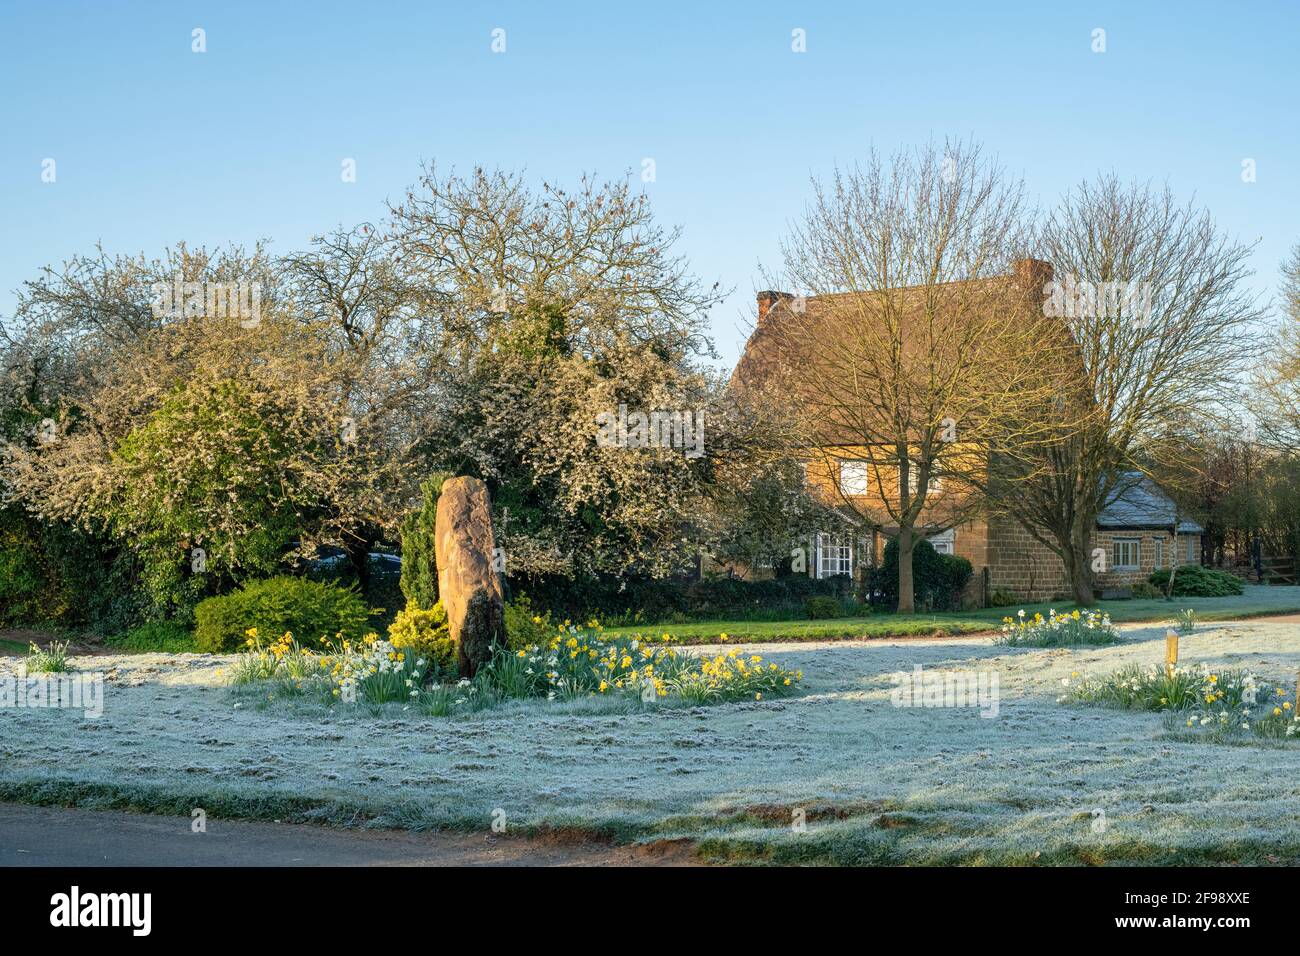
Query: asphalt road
point(60, 836)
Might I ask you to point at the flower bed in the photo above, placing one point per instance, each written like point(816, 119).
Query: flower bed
point(1057, 630)
point(1197, 700)
point(572, 664)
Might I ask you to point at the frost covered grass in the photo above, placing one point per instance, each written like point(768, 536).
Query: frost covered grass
point(836, 774)
point(1057, 630)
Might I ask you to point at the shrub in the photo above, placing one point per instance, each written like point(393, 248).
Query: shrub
point(419, 551)
point(1145, 589)
point(937, 579)
point(524, 626)
point(1057, 630)
point(54, 573)
point(311, 610)
point(821, 608)
point(166, 636)
point(1192, 580)
point(1002, 598)
point(24, 588)
point(426, 634)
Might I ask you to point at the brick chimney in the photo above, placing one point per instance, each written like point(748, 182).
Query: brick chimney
point(768, 299)
point(1033, 274)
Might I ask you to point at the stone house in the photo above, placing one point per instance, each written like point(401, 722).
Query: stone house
point(1135, 532)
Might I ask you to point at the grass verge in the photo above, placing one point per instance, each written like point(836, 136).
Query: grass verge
point(1257, 601)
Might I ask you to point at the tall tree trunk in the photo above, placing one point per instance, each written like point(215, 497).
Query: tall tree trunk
point(358, 550)
point(906, 587)
point(1078, 565)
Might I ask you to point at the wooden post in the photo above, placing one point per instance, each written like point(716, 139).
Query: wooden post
point(1171, 651)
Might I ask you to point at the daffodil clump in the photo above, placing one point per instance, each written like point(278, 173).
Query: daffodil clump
point(1253, 707)
point(1057, 630)
point(372, 670)
point(573, 663)
point(733, 676)
point(1197, 699)
point(579, 663)
point(1156, 688)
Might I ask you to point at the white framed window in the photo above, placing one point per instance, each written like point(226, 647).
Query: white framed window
point(1192, 557)
point(1160, 552)
point(944, 542)
point(834, 555)
point(853, 477)
point(1125, 554)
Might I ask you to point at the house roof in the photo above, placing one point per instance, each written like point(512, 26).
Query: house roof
point(1140, 504)
point(771, 346)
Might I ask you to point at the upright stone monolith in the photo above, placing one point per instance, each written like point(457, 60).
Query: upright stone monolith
point(468, 585)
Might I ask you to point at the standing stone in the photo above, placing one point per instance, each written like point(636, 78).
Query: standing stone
point(468, 585)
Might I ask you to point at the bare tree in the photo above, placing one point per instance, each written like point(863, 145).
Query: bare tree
point(914, 352)
point(1152, 295)
point(1277, 382)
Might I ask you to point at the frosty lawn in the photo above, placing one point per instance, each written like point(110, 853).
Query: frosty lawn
point(872, 782)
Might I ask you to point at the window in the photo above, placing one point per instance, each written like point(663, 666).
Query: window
point(1124, 554)
point(1160, 552)
point(1192, 557)
point(853, 477)
point(834, 556)
point(943, 543)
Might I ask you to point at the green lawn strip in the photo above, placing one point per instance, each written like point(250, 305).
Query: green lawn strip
point(1257, 601)
point(12, 647)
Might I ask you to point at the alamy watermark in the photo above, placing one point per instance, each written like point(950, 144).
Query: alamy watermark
point(213, 300)
point(84, 692)
point(1072, 298)
point(657, 429)
point(923, 688)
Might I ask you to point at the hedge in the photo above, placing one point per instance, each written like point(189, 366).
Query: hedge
point(309, 609)
point(1192, 580)
point(937, 579)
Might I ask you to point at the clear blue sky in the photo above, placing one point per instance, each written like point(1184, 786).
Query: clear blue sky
point(154, 143)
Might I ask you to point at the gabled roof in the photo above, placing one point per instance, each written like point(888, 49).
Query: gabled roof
point(769, 345)
point(1140, 504)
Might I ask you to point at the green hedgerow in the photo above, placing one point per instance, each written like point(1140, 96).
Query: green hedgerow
point(822, 608)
